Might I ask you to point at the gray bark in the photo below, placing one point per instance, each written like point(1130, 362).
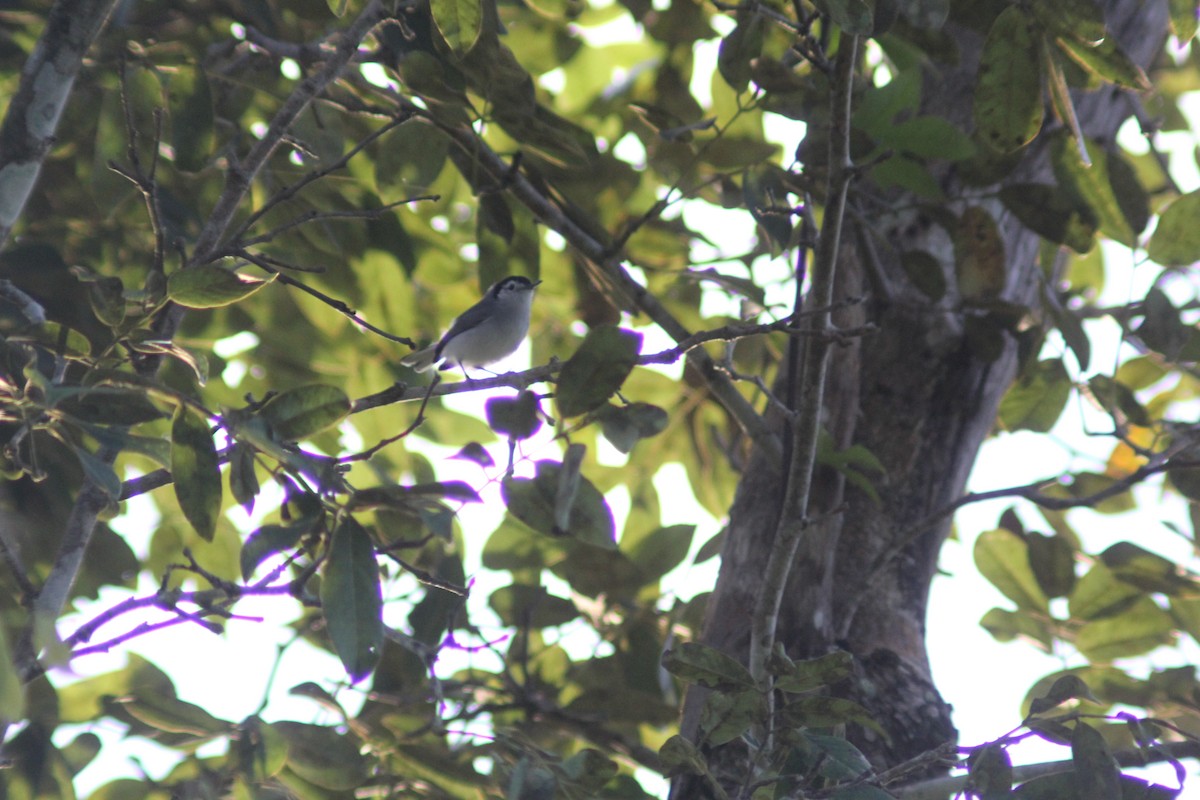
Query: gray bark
point(27, 133)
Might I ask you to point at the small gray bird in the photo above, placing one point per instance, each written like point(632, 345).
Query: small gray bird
point(486, 332)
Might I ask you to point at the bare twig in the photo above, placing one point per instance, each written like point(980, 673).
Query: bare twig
point(289, 192)
point(1034, 493)
point(242, 175)
point(806, 425)
point(12, 559)
point(335, 304)
point(316, 216)
point(950, 786)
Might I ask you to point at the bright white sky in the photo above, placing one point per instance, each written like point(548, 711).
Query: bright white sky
point(984, 680)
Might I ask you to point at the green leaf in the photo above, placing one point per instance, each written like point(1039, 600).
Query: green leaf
point(459, 21)
point(1052, 213)
point(100, 473)
point(925, 272)
point(625, 426)
point(596, 370)
point(1184, 14)
point(824, 711)
point(680, 756)
point(1099, 594)
point(523, 607)
point(1099, 777)
point(535, 503)
point(1091, 184)
point(322, 756)
point(260, 750)
point(1036, 400)
point(1005, 626)
point(243, 481)
point(1080, 19)
point(1132, 197)
point(1067, 687)
point(927, 136)
point(991, 772)
point(852, 16)
point(514, 417)
point(659, 551)
point(1147, 571)
point(1134, 631)
point(1107, 61)
point(172, 715)
point(266, 541)
point(210, 286)
point(589, 770)
point(1008, 91)
point(298, 413)
point(195, 471)
point(839, 759)
point(706, 666)
point(743, 45)
point(813, 673)
point(191, 109)
point(351, 598)
point(1052, 559)
point(1161, 327)
point(1176, 239)
point(728, 715)
point(1003, 558)
point(111, 405)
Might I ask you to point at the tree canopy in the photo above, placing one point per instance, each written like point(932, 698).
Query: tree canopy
point(223, 224)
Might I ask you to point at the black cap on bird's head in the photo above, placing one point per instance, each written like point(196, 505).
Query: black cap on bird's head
point(512, 283)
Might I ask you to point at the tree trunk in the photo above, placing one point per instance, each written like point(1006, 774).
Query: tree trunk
point(918, 395)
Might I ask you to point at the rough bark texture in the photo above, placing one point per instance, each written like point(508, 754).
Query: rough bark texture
point(920, 397)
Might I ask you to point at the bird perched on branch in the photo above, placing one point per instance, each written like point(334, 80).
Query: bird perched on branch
point(486, 332)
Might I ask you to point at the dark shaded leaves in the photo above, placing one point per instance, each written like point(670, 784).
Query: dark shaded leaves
point(351, 598)
point(195, 471)
point(597, 369)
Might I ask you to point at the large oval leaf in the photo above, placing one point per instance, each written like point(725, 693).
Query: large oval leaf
point(597, 369)
point(210, 286)
point(1008, 91)
point(1176, 240)
point(195, 471)
point(536, 502)
point(305, 410)
point(1003, 558)
point(351, 598)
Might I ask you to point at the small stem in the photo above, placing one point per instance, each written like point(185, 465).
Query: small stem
point(792, 519)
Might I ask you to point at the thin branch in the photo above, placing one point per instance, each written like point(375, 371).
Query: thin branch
point(242, 175)
point(337, 305)
point(949, 786)
point(1033, 492)
point(316, 216)
point(12, 560)
point(289, 192)
point(416, 423)
point(806, 425)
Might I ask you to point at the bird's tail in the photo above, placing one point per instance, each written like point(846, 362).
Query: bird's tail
point(421, 360)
